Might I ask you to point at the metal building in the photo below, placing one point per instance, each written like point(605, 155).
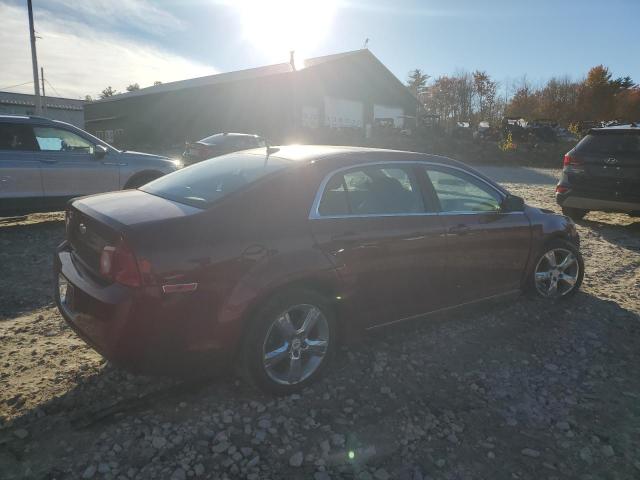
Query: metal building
point(67, 110)
point(346, 92)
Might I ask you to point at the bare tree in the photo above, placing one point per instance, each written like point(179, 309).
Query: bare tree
point(108, 92)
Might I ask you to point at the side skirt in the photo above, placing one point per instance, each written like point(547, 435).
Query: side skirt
point(501, 297)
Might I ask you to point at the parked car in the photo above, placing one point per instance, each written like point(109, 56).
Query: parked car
point(44, 163)
point(602, 172)
point(268, 257)
point(220, 144)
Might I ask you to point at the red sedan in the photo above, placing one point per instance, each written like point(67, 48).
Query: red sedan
point(267, 258)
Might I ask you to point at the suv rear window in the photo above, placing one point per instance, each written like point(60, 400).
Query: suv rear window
point(610, 143)
point(203, 183)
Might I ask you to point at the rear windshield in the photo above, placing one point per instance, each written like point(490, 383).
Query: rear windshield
point(203, 183)
point(611, 143)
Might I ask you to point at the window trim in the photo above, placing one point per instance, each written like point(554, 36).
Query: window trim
point(314, 214)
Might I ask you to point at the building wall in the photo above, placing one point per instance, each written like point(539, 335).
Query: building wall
point(64, 109)
point(277, 106)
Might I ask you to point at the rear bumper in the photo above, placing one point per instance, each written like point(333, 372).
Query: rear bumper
point(589, 203)
point(140, 329)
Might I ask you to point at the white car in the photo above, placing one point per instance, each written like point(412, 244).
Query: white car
point(44, 163)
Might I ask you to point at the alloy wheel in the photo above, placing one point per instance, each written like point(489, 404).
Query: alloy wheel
point(296, 344)
point(557, 273)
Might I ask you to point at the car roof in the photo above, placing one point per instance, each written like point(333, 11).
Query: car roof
point(348, 155)
point(630, 127)
point(316, 153)
point(31, 120)
point(230, 134)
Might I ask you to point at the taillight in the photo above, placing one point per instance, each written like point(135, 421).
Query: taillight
point(571, 161)
point(119, 264)
point(562, 189)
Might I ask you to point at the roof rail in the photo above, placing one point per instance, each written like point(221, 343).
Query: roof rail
point(38, 117)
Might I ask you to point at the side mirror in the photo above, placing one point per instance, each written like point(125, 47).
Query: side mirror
point(512, 203)
point(99, 151)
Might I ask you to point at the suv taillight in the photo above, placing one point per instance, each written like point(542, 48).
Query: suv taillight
point(119, 264)
point(571, 160)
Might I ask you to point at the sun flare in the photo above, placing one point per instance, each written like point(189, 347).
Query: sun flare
point(278, 26)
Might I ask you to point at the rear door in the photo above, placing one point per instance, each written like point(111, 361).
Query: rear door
point(611, 165)
point(386, 244)
point(20, 172)
point(487, 249)
point(70, 167)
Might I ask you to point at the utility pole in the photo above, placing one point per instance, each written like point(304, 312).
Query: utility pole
point(34, 60)
point(44, 97)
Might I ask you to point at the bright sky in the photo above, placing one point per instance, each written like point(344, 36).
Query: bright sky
point(89, 44)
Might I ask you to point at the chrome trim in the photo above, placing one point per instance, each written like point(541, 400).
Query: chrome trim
point(444, 309)
point(314, 214)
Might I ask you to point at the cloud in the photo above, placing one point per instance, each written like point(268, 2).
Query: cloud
point(80, 59)
point(139, 15)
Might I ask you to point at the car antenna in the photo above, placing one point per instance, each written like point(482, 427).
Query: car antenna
point(270, 150)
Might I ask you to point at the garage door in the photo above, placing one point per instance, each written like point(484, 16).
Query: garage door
point(340, 113)
point(383, 111)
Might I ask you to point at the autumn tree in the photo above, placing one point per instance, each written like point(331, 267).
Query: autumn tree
point(485, 91)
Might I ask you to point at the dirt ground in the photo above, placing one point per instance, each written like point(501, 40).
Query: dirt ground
point(524, 390)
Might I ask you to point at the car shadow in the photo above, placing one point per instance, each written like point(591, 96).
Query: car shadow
point(109, 391)
point(623, 232)
point(26, 256)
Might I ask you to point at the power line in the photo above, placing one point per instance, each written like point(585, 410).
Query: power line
point(52, 87)
point(18, 85)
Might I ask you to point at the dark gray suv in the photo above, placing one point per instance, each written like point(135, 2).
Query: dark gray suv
point(602, 172)
point(44, 163)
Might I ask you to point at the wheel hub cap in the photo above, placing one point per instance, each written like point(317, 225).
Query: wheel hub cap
point(556, 273)
point(295, 344)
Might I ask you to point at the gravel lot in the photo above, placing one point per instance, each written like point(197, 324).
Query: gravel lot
point(525, 390)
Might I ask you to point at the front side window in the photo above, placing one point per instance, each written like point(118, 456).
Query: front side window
point(460, 192)
point(15, 136)
point(60, 140)
point(372, 190)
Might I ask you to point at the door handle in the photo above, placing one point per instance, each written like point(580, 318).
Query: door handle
point(460, 229)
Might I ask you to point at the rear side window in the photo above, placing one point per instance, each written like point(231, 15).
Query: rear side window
point(610, 143)
point(15, 136)
point(373, 190)
point(203, 183)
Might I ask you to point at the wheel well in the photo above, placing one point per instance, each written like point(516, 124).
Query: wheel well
point(140, 178)
point(324, 288)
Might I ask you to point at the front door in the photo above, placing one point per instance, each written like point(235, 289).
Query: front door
point(487, 249)
point(387, 247)
point(70, 167)
point(20, 173)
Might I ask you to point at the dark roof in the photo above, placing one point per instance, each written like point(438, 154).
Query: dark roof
point(26, 99)
point(252, 73)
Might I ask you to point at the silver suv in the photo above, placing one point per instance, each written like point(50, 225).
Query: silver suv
point(44, 163)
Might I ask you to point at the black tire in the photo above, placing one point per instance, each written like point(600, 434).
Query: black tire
point(562, 245)
point(574, 213)
point(261, 325)
point(138, 181)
